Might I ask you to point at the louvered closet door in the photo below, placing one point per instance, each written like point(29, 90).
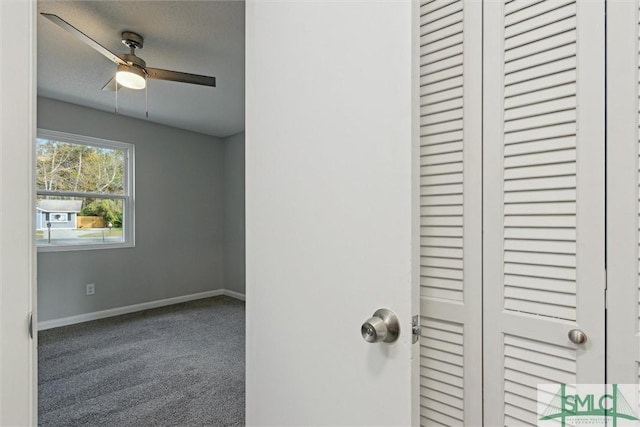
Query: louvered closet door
point(450, 200)
point(623, 208)
point(543, 200)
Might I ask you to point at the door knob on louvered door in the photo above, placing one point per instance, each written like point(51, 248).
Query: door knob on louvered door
point(577, 336)
point(383, 326)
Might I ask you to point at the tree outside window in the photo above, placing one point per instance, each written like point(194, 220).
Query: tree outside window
point(84, 188)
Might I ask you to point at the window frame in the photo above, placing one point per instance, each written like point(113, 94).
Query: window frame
point(128, 199)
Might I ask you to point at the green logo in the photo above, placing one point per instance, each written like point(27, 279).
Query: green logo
point(599, 404)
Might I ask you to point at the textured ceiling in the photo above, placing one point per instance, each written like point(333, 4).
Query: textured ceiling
point(199, 37)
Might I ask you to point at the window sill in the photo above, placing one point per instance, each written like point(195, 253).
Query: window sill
point(88, 247)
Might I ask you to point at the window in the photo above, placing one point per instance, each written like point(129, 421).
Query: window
point(84, 192)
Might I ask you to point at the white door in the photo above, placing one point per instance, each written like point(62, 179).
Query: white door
point(450, 221)
point(544, 212)
point(331, 214)
point(623, 344)
point(18, 378)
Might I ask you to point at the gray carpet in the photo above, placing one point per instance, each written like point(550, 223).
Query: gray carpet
point(181, 365)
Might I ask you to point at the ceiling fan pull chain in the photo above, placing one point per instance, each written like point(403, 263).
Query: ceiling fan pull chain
point(146, 100)
point(116, 98)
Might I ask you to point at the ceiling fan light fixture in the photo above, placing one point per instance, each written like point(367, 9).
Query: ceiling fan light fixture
point(131, 77)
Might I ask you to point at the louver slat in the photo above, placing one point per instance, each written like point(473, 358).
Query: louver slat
point(441, 391)
point(436, 57)
point(440, 11)
point(550, 30)
point(540, 186)
point(441, 208)
point(533, 109)
point(441, 141)
point(534, 192)
point(512, 6)
point(538, 16)
point(528, 363)
point(436, 46)
point(439, 24)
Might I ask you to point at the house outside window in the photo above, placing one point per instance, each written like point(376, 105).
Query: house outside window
point(84, 192)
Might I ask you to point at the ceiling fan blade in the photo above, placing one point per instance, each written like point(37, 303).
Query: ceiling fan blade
point(176, 76)
point(83, 37)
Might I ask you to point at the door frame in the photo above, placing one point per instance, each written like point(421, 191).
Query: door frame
point(18, 353)
point(18, 293)
point(622, 192)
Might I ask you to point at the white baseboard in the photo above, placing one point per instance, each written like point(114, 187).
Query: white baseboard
point(48, 324)
point(234, 294)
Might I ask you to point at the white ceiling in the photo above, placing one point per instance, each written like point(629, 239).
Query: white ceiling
point(199, 37)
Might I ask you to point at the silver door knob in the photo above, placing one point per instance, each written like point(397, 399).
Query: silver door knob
point(383, 326)
point(577, 336)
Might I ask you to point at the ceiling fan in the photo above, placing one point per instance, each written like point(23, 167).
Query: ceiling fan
point(132, 70)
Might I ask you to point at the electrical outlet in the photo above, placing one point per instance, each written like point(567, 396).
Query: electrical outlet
point(91, 288)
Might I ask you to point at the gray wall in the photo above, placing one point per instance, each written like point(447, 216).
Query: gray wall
point(179, 219)
point(234, 238)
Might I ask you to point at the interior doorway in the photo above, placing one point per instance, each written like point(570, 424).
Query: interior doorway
point(188, 195)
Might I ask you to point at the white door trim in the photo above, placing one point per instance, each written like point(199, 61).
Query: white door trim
point(18, 357)
point(415, 209)
point(622, 192)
